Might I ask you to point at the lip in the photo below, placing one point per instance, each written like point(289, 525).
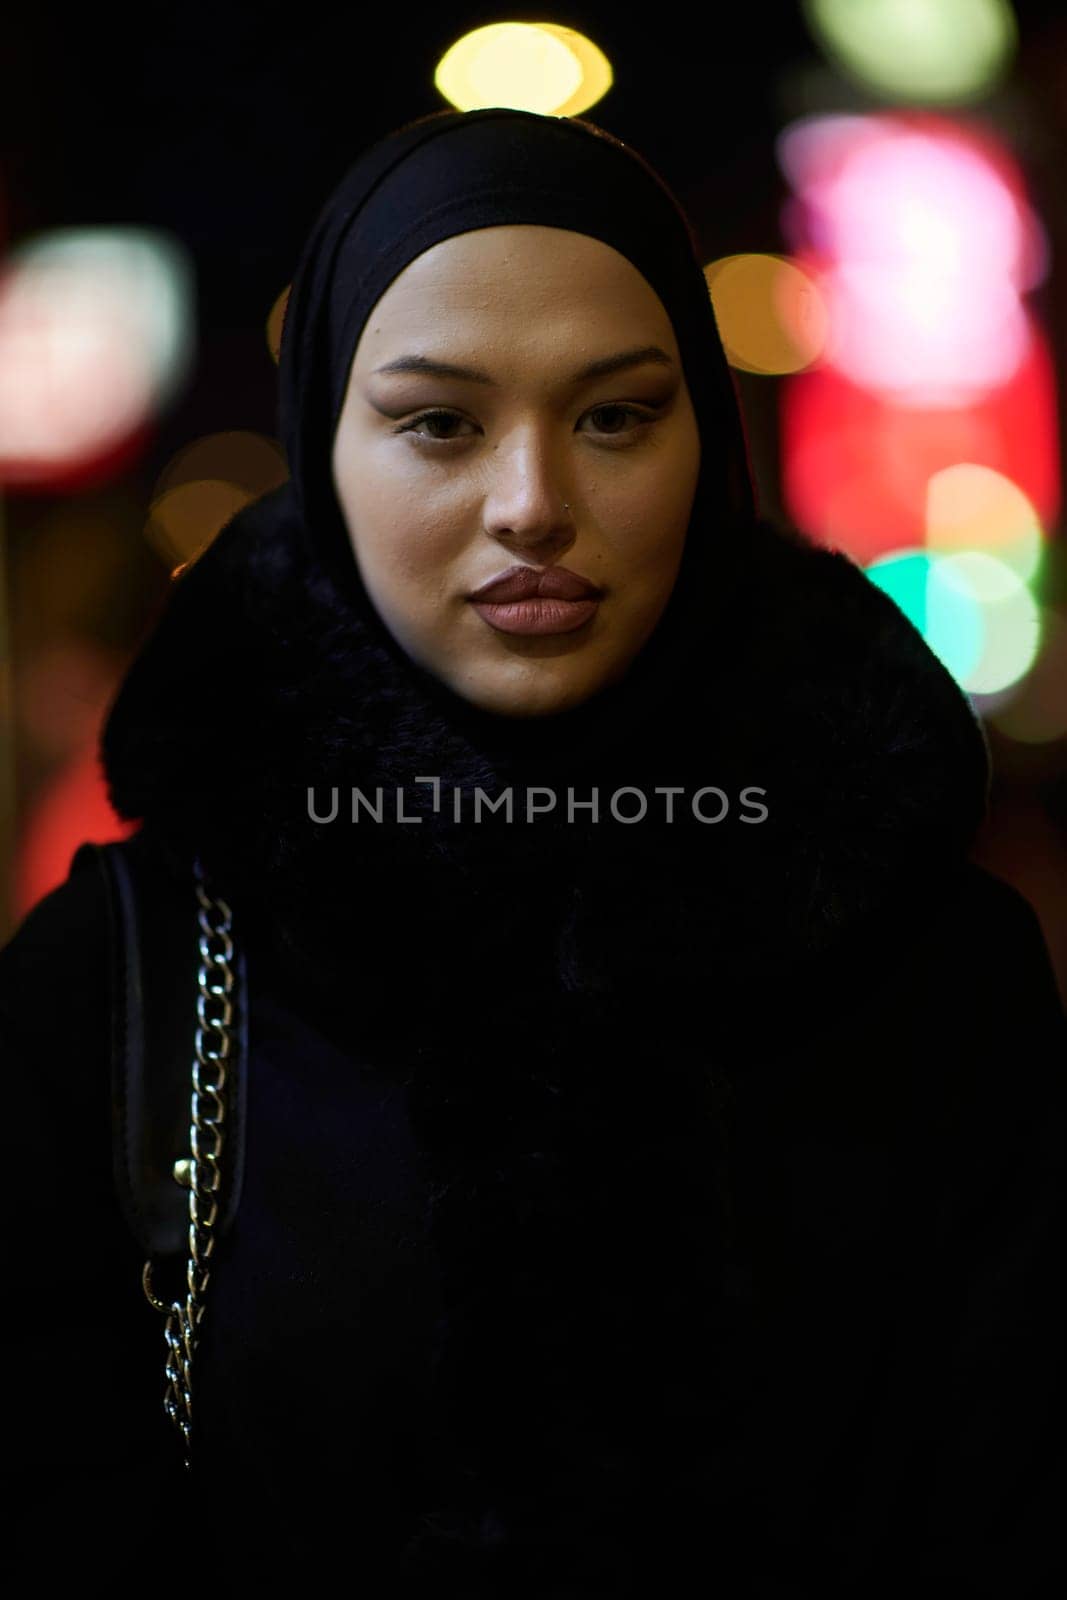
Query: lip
point(528, 583)
point(542, 614)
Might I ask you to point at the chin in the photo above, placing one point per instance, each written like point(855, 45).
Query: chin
point(525, 700)
point(538, 706)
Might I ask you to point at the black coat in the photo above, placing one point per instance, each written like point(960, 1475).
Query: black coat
point(792, 1327)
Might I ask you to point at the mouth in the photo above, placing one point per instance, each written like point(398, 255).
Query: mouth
point(537, 615)
point(532, 583)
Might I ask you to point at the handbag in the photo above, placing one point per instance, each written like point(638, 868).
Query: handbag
point(178, 1085)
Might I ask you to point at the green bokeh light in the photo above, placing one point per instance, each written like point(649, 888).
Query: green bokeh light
point(923, 50)
point(949, 616)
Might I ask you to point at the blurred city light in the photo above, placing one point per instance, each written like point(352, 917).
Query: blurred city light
point(205, 485)
point(1010, 620)
point(597, 76)
point(975, 613)
point(919, 236)
point(902, 575)
point(856, 467)
point(922, 249)
point(96, 329)
point(60, 693)
point(72, 807)
point(905, 576)
point(771, 315)
point(533, 66)
point(1036, 713)
point(972, 507)
point(275, 322)
point(933, 51)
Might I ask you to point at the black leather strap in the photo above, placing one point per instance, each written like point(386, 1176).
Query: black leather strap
point(155, 955)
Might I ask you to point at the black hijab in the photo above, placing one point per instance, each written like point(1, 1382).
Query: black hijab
point(446, 174)
point(614, 959)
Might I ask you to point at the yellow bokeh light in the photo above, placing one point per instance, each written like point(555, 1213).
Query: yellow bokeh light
point(185, 520)
point(973, 507)
point(205, 485)
point(529, 66)
point(771, 315)
point(596, 69)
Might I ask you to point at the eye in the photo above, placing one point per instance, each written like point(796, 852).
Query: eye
point(434, 417)
point(620, 411)
point(643, 418)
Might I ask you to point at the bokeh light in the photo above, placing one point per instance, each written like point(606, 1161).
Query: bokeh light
point(902, 574)
point(924, 247)
point(1037, 712)
point(73, 807)
point(596, 78)
point(533, 66)
point(275, 322)
point(95, 338)
point(771, 315)
point(926, 50)
point(205, 485)
point(1011, 630)
point(60, 693)
point(955, 631)
point(973, 507)
point(920, 237)
point(975, 613)
point(819, 152)
point(856, 467)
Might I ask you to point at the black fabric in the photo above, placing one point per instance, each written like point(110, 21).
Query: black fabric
point(532, 1107)
point(877, 1406)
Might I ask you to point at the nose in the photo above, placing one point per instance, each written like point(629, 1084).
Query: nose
point(525, 507)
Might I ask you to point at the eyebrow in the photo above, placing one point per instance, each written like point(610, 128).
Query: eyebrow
point(625, 359)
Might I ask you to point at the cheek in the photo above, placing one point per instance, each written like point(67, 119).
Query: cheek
point(395, 533)
point(649, 520)
point(399, 572)
point(409, 563)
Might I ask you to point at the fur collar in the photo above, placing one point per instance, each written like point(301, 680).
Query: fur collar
point(801, 679)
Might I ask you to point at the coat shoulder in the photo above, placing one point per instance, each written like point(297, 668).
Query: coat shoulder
point(58, 954)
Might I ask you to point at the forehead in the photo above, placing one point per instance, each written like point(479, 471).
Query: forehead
point(515, 242)
point(513, 275)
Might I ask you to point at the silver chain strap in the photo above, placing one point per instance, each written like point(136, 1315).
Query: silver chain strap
point(202, 1172)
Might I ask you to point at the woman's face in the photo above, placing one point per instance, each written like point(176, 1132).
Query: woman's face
point(530, 465)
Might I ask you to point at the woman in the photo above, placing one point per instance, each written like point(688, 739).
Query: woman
point(633, 1197)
